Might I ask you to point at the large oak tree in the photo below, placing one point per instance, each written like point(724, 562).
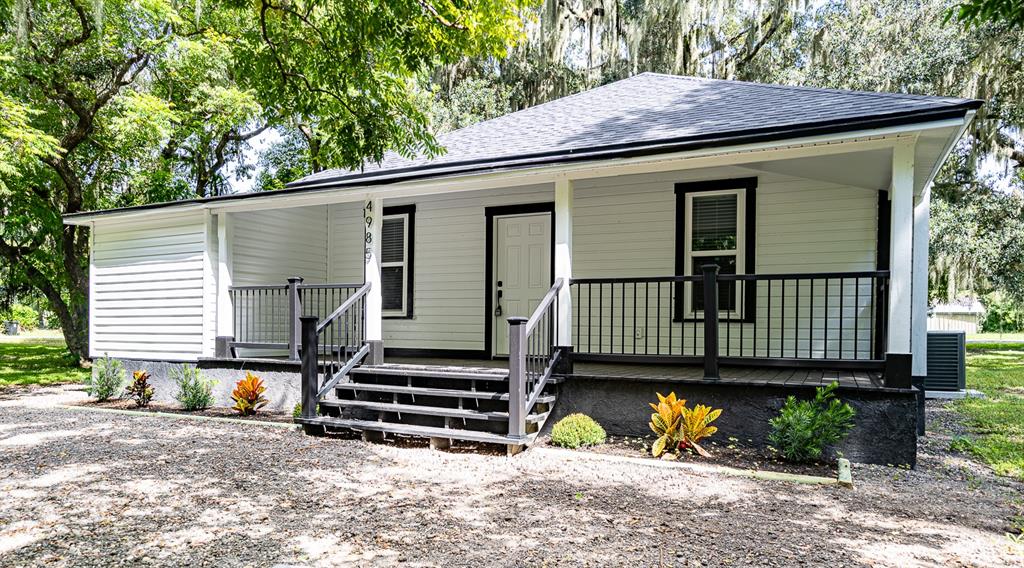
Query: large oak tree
point(122, 102)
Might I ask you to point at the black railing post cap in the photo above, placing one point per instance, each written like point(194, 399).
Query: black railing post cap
point(517, 320)
point(313, 319)
point(294, 279)
point(709, 267)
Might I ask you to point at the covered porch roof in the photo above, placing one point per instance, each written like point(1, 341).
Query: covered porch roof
point(648, 123)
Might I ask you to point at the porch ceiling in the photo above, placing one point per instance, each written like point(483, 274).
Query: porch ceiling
point(871, 169)
point(868, 170)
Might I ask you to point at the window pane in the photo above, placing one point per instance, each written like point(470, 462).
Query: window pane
point(392, 279)
point(392, 242)
point(714, 222)
point(726, 290)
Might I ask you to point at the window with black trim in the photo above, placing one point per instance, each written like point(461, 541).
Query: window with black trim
point(715, 226)
point(396, 261)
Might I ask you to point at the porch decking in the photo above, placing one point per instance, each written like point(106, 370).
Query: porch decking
point(735, 376)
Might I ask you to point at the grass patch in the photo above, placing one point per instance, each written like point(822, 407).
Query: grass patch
point(996, 337)
point(997, 419)
point(37, 360)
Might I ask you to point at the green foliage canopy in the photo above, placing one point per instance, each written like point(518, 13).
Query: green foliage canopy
point(123, 102)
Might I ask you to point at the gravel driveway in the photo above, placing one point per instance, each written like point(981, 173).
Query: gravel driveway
point(90, 489)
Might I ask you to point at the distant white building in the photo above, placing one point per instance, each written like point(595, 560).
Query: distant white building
point(962, 315)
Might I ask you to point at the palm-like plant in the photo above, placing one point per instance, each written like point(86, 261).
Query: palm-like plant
point(696, 426)
point(248, 395)
point(665, 422)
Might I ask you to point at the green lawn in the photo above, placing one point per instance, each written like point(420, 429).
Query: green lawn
point(996, 337)
point(998, 419)
point(37, 359)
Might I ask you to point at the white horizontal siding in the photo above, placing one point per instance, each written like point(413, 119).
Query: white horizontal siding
point(271, 246)
point(449, 269)
point(625, 226)
point(346, 231)
point(148, 289)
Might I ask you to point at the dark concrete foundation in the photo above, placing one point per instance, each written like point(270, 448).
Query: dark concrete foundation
point(885, 430)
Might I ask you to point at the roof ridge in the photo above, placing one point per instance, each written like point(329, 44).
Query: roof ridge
point(777, 86)
point(552, 101)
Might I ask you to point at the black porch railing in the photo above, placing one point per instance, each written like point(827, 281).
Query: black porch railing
point(836, 319)
point(332, 347)
point(533, 356)
point(267, 317)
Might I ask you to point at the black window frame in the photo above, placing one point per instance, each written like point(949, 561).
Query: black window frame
point(682, 190)
point(409, 211)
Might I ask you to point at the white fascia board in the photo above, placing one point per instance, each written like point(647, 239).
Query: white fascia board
point(944, 155)
point(852, 141)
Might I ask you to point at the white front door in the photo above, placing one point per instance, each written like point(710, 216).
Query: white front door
point(522, 270)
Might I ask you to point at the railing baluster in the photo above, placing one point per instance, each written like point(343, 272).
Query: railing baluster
point(658, 321)
point(810, 346)
point(611, 318)
point(842, 314)
point(768, 319)
point(647, 318)
point(856, 318)
point(827, 318)
point(634, 318)
point(796, 320)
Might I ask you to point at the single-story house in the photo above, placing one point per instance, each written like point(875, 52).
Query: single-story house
point(733, 242)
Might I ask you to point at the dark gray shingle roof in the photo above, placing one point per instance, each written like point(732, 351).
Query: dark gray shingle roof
point(647, 110)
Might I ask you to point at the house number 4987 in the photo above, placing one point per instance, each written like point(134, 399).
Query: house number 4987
point(368, 219)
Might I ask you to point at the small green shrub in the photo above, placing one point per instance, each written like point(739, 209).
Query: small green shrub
point(195, 391)
point(27, 318)
point(804, 428)
point(577, 430)
point(297, 411)
point(139, 389)
point(107, 380)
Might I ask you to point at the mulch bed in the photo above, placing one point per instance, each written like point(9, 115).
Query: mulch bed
point(728, 453)
point(214, 412)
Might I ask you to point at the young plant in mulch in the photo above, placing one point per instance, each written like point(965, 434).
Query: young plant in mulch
point(139, 389)
point(248, 395)
point(696, 425)
point(805, 428)
point(679, 427)
point(107, 380)
point(195, 391)
point(576, 431)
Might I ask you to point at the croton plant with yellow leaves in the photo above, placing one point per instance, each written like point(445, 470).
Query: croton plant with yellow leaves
point(679, 427)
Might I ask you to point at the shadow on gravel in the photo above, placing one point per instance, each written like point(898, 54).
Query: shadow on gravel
point(89, 489)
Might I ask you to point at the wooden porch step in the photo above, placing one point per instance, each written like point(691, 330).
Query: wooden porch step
point(425, 391)
point(416, 431)
point(398, 408)
point(433, 371)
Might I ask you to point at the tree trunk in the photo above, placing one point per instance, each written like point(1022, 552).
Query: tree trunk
point(73, 315)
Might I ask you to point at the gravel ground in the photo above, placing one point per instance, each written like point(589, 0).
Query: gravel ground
point(100, 489)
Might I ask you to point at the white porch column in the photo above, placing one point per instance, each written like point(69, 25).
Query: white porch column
point(563, 257)
point(901, 262)
point(919, 309)
point(373, 218)
point(225, 238)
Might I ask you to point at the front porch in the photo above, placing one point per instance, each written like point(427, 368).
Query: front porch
point(483, 314)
